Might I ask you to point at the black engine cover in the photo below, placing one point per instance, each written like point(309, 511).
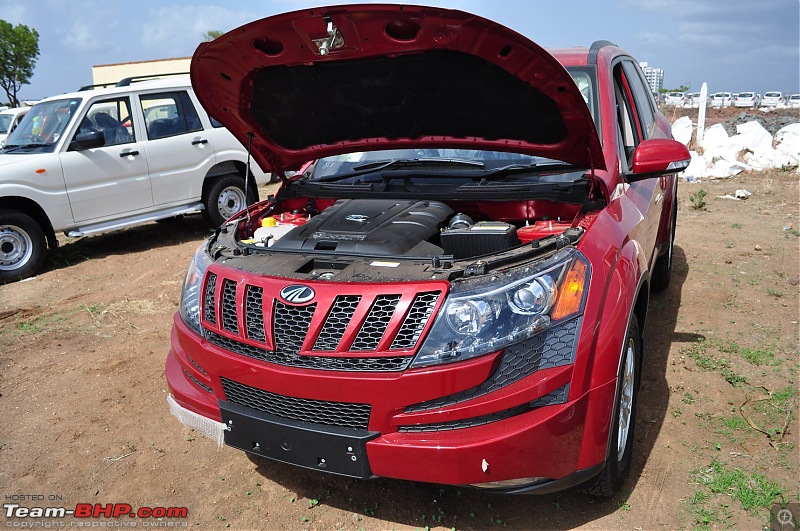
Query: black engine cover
point(370, 226)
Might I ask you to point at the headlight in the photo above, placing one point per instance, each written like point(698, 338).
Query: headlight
point(484, 315)
point(192, 286)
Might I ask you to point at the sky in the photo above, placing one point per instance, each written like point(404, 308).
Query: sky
point(733, 45)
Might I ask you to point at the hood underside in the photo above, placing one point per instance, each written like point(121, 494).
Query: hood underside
point(326, 81)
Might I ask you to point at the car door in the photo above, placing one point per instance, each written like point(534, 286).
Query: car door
point(112, 180)
point(179, 150)
point(636, 115)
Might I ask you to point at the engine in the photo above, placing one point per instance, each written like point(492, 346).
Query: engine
point(371, 227)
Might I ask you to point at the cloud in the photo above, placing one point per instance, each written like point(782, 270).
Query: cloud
point(177, 30)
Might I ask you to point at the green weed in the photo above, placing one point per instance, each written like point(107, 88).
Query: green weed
point(753, 491)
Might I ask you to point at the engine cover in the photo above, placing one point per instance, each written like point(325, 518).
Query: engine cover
point(371, 226)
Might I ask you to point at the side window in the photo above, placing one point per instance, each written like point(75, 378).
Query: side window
point(643, 97)
point(112, 118)
point(169, 114)
point(628, 129)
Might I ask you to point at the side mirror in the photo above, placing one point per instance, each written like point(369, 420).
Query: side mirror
point(88, 140)
point(657, 157)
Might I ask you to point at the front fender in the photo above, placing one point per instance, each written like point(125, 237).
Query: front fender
point(619, 276)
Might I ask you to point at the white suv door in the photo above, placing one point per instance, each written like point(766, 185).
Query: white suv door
point(106, 181)
point(179, 149)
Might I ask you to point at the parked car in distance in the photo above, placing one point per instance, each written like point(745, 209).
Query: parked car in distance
point(678, 99)
point(455, 290)
point(747, 99)
point(98, 160)
point(722, 99)
point(793, 101)
point(9, 119)
point(773, 99)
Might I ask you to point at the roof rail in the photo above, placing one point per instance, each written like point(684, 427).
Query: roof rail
point(96, 85)
point(596, 46)
point(126, 82)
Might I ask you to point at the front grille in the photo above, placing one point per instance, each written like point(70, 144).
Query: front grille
point(418, 316)
point(209, 303)
point(552, 348)
point(228, 307)
point(290, 325)
point(559, 396)
point(375, 325)
point(245, 316)
point(340, 414)
point(336, 323)
point(326, 363)
point(254, 314)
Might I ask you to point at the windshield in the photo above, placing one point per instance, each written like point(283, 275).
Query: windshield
point(466, 162)
point(44, 124)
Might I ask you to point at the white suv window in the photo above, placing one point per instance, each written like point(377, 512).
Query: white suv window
point(169, 114)
point(113, 119)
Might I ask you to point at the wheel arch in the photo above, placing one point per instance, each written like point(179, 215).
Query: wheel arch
point(33, 209)
point(228, 167)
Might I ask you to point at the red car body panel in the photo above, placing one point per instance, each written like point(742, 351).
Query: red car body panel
point(553, 446)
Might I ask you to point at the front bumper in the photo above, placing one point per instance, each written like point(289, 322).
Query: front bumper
point(547, 444)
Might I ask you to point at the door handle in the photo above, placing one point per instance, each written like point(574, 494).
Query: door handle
point(129, 153)
point(201, 141)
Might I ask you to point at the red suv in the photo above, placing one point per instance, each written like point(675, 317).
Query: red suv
point(455, 290)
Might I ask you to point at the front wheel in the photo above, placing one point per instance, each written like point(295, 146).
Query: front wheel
point(225, 198)
point(22, 246)
point(618, 458)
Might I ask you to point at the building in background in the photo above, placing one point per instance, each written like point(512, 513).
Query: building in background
point(111, 73)
point(654, 76)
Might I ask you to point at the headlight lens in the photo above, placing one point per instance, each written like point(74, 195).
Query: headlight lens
point(192, 286)
point(484, 315)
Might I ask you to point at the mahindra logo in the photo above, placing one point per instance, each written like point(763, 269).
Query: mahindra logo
point(297, 294)
point(358, 218)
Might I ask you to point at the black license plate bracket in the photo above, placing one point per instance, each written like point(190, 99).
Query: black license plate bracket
point(330, 449)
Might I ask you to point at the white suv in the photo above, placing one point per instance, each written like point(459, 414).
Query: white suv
point(104, 159)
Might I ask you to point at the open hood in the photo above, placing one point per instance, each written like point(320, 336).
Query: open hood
point(331, 80)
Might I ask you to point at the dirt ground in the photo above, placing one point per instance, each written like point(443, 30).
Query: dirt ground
point(85, 418)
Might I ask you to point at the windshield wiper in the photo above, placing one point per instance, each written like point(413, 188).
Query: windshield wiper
point(378, 165)
point(522, 168)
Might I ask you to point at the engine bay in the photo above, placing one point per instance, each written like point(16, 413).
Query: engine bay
point(392, 239)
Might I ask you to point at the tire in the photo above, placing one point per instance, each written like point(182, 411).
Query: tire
point(225, 198)
point(22, 246)
point(662, 271)
point(620, 444)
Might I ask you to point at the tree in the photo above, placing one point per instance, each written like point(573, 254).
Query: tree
point(19, 49)
point(210, 35)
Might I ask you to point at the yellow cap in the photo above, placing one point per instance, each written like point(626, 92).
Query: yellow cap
point(269, 222)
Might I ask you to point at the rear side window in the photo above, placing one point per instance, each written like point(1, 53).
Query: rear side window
point(169, 114)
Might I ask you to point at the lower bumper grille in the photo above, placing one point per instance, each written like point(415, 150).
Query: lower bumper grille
point(342, 414)
point(377, 364)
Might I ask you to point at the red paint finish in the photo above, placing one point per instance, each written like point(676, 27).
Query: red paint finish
point(516, 433)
